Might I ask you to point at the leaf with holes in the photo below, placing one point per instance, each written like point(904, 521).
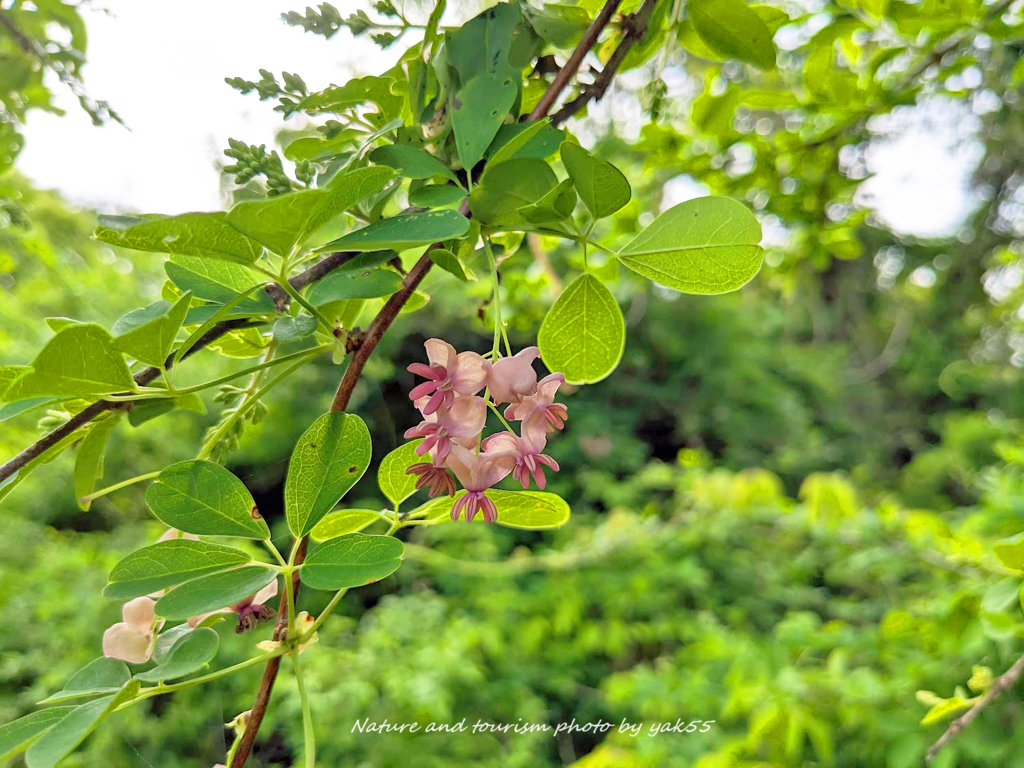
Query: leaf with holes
point(329, 458)
point(478, 111)
point(583, 334)
point(705, 246)
point(351, 561)
point(206, 499)
point(191, 234)
point(168, 563)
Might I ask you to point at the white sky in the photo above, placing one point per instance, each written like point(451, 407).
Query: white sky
point(162, 66)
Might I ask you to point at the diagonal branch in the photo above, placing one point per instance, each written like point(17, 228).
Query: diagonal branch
point(147, 375)
point(376, 330)
point(1003, 683)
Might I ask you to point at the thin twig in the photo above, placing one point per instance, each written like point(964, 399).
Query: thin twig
point(346, 386)
point(1003, 683)
point(634, 29)
point(314, 273)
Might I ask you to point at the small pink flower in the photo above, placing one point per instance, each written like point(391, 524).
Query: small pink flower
point(477, 472)
point(251, 611)
point(555, 414)
point(527, 450)
point(463, 420)
point(513, 378)
point(448, 374)
point(132, 638)
point(432, 476)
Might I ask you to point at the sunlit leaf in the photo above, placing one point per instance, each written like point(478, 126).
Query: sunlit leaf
point(583, 334)
point(401, 232)
point(168, 563)
point(351, 561)
point(191, 234)
point(600, 185)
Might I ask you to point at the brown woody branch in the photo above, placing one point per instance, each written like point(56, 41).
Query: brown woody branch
point(147, 375)
point(1003, 683)
point(367, 344)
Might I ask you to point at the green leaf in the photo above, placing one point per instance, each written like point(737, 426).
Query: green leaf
point(391, 477)
point(191, 234)
point(190, 653)
point(213, 591)
point(411, 162)
point(733, 29)
point(705, 246)
point(437, 195)
point(218, 281)
point(583, 334)
point(288, 330)
point(351, 561)
point(99, 676)
point(449, 262)
point(1001, 595)
point(478, 111)
point(946, 709)
point(8, 375)
point(148, 334)
point(65, 735)
point(556, 206)
point(329, 458)
point(527, 510)
point(314, 147)
point(206, 499)
point(19, 407)
point(79, 361)
point(58, 324)
point(417, 300)
point(280, 223)
point(366, 284)
point(509, 188)
point(89, 464)
point(342, 522)
point(18, 735)
point(531, 138)
point(401, 232)
point(147, 410)
point(561, 25)
point(377, 90)
point(601, 186)
point(1010, 552)
point(487, 42)
point(168, 563)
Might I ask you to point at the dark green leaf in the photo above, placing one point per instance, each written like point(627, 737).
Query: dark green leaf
point(192, 652)
point(89, 464)
point(437, 196)
point(411, 162)
point(65, 735)
point(214, 591)
point(291, 329)
point(732, 28)
point(478, 110)
point(168, 563)
point(191, 234)
point(351, 561)
point(18, 735)
point(368, 284)
point(401, 232)
point(601, 186)
point(509, 188)
point(99, 676)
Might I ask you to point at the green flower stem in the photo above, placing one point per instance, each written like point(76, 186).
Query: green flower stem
point(324, 613)
point(289, 591)
point(244, 372)
point(275, 552)
point(308, 739)
point(161, 688)
point(119, 486)
point(500, 417)
point(249, 396)
point(499, 328)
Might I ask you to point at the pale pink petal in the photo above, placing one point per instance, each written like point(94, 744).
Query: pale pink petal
point(469, 374)
point(465, 418)
point(139, 613)
point(266, 593)
point(513, 378)
point(122, 641)
point(499, 442)
point(174, 533)
point(440, 352)
point(535, 432)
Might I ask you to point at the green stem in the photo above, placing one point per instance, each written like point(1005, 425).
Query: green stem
point(298, 297)
point(289, 590)
point(308, 739)
point(275, 552)
point(277, 361)
point(500, 417)
point(119, 486)
point(326, 612)
point(498, 328)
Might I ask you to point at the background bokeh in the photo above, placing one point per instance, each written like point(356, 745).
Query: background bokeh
point(784, 499)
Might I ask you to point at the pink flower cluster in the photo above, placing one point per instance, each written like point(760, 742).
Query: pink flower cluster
point(454, 417)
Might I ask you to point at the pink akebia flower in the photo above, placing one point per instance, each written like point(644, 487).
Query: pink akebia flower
point(463, 420)
point(251, 611)
point(131, 639)
point(449, 374)
point(477, 472)
point(527, 449)
point(513, 378)
point(555, 414)
point(434, 476)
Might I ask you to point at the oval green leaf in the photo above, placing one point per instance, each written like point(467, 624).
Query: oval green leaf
point(411, 162)
point(601, 186)
point(449, 262)
point(391, 477)
point(733, 29)
point(437, 195)
point(362, 284)
point(705, 246)
point(191, 234)
point(343, 522)
point(527, 510)
point(18, 735)
point(511, 187)
point(583, 334)
point(352, 561)
point(148, 334)
point(478, 111)
point(190, 653)
point(402, 232)
point(329, 458)
point(206, 499)
point(99, 676)
point(71, 730)
point(216, 590)
point(168, 563)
